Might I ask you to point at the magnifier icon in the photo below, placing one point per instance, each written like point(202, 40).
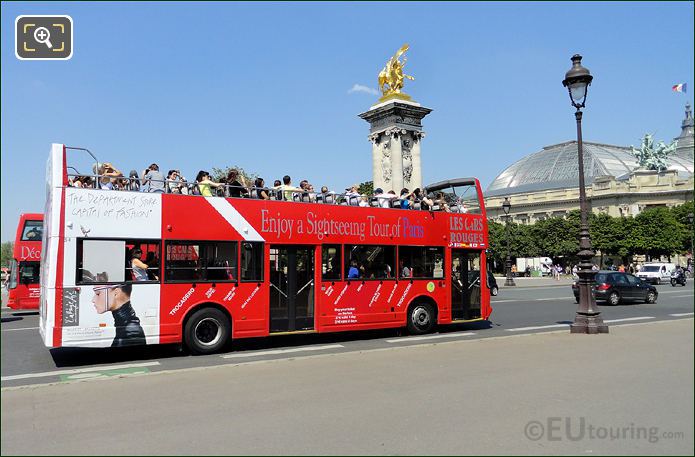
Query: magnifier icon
point(42, 35)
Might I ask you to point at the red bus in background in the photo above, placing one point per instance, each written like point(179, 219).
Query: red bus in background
point(23, 281)
point(127, 268)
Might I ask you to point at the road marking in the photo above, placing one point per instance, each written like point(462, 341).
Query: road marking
point(523, 329)
point(641, 318)
point(681, 296)
point(681, 314)
point(431, 337)
point(21, 328)
point(282, 351)
point(77, 371)
point(546, 299)
point(105, 374)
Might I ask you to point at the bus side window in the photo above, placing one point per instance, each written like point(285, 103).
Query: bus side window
point(221, 261)
point(372, 262)
point(183, 261)
point(422, 262)
point(330, 262)
point(100, 261)
point(251, 261)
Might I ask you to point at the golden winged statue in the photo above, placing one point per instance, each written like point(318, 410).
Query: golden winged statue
point(391, 76)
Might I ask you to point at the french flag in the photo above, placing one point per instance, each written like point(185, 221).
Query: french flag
point(679, 87)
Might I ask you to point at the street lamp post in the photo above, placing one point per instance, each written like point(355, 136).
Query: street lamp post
point(506, 206)
point(588, 317)
point(690, 228)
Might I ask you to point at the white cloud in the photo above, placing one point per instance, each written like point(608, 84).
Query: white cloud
point(365, 89)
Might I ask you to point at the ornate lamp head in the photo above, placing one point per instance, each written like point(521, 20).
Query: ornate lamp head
point(506, 206)
point(577, 81)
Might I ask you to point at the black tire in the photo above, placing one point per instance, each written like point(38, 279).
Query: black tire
point(673, 283)
point(614, 298)
point(650, 298)
point(207, 331)
point(494, 291)
point(658, 281)
point(421, 318)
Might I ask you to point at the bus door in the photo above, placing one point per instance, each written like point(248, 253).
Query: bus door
point(465, 288)
point(291, 288)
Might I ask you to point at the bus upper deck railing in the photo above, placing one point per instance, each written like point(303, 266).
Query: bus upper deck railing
point(440, 201)
point(132, 184)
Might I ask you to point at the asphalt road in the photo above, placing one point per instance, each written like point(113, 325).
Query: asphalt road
point(522, 310)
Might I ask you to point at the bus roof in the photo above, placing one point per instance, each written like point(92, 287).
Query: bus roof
point(451, 183)
point(31, 216)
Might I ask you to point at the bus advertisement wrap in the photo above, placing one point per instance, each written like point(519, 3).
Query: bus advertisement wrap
point(129, 268)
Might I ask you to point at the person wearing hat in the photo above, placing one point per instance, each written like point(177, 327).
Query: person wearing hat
point(352, 195)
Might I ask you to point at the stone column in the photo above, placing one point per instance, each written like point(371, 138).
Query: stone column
point(395, 133)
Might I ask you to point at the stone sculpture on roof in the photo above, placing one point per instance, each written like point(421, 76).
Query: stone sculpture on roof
point(650, 157)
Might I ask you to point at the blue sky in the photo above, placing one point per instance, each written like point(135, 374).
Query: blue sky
point(266, 86)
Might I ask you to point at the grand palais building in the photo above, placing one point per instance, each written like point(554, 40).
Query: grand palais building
point(546, 183)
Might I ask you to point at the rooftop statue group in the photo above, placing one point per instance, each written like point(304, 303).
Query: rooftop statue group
point(650, 157)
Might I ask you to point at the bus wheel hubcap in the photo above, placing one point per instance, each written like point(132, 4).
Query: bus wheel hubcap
point(208, 331)
point(421, 317)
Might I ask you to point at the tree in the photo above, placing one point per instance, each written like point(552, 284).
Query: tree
point(366, 188)
point(6, 252)
point(497, 246)
point(657, 232)
point(681, 213)
point(556, 237)
point(523, 241)
point(220, 174)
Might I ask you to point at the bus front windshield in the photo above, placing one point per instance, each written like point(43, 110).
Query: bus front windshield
point(28, 273)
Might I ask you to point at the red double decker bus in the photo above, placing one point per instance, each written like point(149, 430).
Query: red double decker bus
point(123, 267)
point(23, 280)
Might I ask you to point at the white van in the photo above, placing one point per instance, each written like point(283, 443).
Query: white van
point(656, 272)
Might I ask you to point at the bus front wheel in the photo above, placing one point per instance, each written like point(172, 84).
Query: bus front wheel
point(421, 318)
point(207, 331)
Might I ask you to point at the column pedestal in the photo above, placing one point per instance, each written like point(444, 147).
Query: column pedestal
point(395, 133)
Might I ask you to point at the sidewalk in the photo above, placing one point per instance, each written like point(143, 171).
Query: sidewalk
point(535, 282)
point(626, 392)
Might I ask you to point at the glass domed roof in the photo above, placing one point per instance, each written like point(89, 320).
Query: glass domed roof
point(557, 167)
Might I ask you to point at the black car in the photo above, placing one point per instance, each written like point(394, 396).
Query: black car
point(474, 275)
point(614, 287)
point(492, 284)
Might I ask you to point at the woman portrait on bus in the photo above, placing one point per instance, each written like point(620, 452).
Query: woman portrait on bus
point(205, 184)
point(116, 298)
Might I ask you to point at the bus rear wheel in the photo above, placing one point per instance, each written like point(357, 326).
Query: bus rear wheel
point(421, 318)
point(206, 331)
